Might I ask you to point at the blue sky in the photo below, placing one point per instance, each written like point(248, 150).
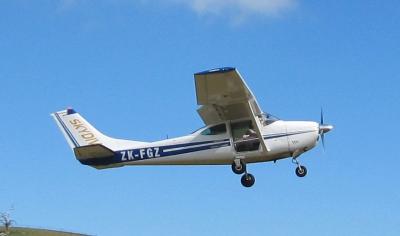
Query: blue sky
point(127, 66)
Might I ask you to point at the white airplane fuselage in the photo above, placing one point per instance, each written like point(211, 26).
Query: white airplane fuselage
point(283, 139)
point(237, 132)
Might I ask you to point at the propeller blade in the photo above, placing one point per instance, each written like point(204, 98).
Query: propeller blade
point(322, 116)
point(323, 129)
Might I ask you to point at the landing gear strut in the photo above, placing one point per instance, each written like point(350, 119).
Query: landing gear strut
point(239, 167)
point(301, 171)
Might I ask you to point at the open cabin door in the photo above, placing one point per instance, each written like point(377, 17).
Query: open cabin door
point(244, 137)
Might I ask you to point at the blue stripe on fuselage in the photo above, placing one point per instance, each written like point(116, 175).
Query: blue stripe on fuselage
point(193, 144)
point(285, 134)
point(164, 151)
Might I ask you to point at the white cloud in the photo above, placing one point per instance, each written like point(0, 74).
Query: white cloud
point(239, 8)
point(67, 4)
point(236, 10)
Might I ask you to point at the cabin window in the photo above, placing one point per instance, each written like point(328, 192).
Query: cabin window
point(215, 130)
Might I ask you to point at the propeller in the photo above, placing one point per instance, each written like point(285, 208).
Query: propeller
point(323, 128)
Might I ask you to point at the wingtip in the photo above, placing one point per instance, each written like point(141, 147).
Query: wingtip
point(216, 70)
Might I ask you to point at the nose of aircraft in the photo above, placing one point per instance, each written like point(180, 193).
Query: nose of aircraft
point(325, 128)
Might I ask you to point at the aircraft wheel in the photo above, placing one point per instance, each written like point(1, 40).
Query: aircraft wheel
point(301, 171)
point(248, 180)
point(238, 170)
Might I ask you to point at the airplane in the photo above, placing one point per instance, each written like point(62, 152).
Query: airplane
point(236, 133)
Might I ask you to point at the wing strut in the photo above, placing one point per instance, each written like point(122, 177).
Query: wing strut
point(257, 127)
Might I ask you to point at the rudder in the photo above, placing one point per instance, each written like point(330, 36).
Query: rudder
point(77, 130)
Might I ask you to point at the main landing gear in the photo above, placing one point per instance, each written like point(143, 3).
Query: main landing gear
point(300, 171)
point(239, 167)
point(248, 180)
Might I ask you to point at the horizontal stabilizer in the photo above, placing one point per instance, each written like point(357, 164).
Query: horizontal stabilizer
point(96, 155)
point(92, 151)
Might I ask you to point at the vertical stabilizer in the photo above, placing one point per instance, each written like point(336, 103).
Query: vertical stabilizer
point(77, 130)
point(80, 133)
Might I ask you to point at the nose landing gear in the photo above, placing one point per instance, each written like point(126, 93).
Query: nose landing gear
point(300, 171)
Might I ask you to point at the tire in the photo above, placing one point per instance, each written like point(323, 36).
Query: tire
point(238, 171)
point(301, 172)
point(248, 180)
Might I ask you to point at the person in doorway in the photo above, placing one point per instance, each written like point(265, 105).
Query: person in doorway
point(250, 133)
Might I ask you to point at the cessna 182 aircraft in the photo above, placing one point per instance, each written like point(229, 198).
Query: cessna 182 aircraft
point(237, 133)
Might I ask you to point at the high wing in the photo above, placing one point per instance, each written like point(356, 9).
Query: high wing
point(223, 95)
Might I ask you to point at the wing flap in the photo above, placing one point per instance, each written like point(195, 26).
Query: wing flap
point(209, 114)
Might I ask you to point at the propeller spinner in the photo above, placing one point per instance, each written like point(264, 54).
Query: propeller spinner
point(323, 128)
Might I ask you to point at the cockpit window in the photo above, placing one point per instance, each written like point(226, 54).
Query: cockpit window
point(215, 130)
point(269, 119)
point(198, 129)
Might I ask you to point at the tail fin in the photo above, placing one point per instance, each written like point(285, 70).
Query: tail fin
point(89, 145)
point(77, 130)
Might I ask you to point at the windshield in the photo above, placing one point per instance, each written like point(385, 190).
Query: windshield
point(269, 118)
point(198, 129)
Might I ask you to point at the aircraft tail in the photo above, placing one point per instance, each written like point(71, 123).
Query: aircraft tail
point(77, 131)
point(90, 146)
